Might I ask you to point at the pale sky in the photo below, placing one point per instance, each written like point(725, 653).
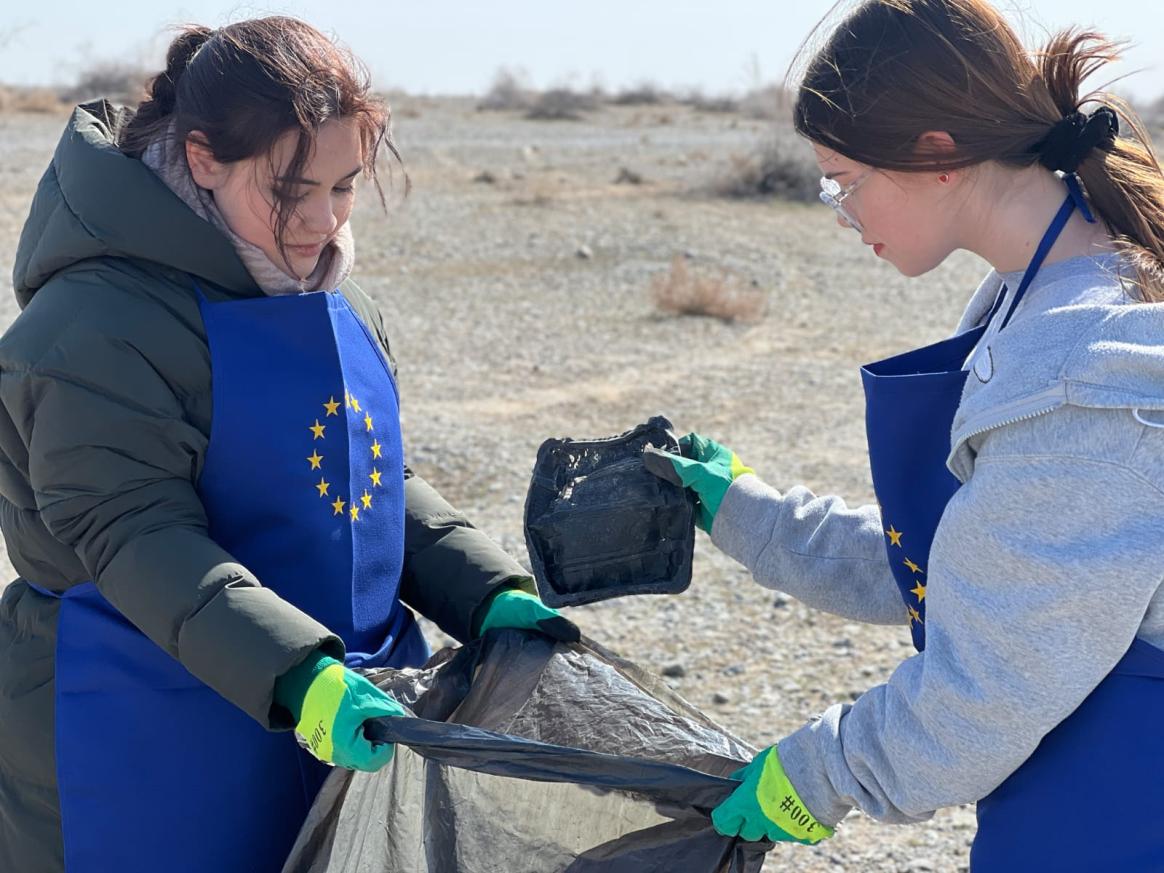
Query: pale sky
point(456, 46)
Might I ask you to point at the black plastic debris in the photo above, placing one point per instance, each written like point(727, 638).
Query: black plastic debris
point(598, 524)
point(532, 757)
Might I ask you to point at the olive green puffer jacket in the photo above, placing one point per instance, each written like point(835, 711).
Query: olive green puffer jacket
point(105, 414)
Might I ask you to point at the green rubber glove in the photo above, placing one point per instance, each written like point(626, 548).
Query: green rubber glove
point(766, 806)
point(330, 704)
point(705, 467)
point(515, 608)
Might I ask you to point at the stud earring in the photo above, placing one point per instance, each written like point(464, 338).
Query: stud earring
point(944, 178)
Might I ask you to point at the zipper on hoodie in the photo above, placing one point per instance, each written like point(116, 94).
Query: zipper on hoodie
point(996, 425)
point(956, 451)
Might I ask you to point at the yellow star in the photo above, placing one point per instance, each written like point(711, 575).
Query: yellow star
point(376, 448)
point(366, 499)
point(375, 476)
point(368, 420)
point(332, 406)
point(347, 400)
point(894, 536)
point(317, 429)
point(914, 615)
point(315, 458)
point(355, 404)
point(338, 506)
point(919, 591)
point(912, 566)
point(355, 513)
point(323, 486)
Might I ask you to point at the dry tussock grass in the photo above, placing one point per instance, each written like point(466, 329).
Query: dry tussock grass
point(724, 295)
point(20, 99)
point(540, 191)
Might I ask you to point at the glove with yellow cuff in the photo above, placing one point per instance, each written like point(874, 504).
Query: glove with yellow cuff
point(766, 806)
point(330, 704)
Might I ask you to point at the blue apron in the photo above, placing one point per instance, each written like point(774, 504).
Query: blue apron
point(1089, 797)
point(303, 483)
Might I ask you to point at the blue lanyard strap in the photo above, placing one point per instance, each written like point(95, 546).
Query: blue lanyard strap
point(1076, 192)
point(1074, 198)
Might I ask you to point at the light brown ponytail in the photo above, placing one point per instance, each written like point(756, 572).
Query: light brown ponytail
point(1125, 184)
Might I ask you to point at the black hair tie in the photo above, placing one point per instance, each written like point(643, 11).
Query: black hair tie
point(1073, 138)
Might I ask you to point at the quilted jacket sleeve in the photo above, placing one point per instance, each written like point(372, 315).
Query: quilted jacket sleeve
point(110, 458)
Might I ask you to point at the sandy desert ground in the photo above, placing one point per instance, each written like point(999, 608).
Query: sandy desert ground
point(520, 309)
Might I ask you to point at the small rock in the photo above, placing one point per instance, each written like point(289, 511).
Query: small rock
point(790, 687)
point(733, 670)
point(675, 671)
point(485, 178)
point(842, 643)
point(584, 252)
point(721, 698)
point(780, 601)
point(627, 176)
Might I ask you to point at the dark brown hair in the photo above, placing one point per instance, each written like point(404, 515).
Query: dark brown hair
point(247, 84)
point(894, 69)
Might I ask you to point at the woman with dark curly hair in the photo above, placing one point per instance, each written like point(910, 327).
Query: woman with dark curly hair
point(203, 484)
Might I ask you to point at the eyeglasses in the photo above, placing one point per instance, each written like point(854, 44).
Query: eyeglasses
point(832, 194)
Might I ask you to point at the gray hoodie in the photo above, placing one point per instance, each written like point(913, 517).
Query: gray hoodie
point(1046, 564)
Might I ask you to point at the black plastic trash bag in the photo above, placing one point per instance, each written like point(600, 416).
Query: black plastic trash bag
point(598, 524)
point(554, 757)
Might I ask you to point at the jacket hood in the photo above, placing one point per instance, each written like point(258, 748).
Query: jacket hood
point(93, 201)
point(1078, 337)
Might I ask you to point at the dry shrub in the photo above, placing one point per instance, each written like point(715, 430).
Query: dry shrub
point(25, 99)
point(770, 102)
point(510, 91)
point(723, 295)
point(562, 104)
point(116, 81)
point(701, 102)
point(643, 94)
point(540, 191)
point(1153, 115)
point(782, 168)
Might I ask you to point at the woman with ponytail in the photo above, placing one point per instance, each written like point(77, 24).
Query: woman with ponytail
point(1018, 465)
point(202, 481)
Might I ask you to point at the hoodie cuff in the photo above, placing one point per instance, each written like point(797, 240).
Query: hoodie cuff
point(808, 775)
point(736, 531)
